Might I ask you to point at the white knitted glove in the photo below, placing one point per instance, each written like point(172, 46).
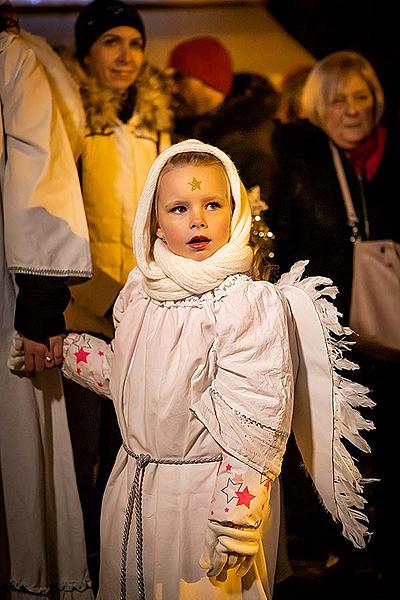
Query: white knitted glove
point(229, 547)
point(16, 360)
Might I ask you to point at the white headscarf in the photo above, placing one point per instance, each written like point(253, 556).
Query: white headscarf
point(172, 277)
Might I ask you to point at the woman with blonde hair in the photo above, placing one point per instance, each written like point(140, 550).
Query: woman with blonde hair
point(342, 103)
point(324, 82)
point(343, 112)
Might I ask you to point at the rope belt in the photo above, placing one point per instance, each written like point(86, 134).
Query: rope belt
point(135, 503)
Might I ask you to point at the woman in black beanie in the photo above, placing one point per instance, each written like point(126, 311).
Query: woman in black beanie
point(100, 16)
point(127, 123)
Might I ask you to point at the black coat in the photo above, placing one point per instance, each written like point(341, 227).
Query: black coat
point(307, 212)
point(241, 127)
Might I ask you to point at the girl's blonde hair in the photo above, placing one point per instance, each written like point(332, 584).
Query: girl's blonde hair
point(325, 78)
point(260, 269)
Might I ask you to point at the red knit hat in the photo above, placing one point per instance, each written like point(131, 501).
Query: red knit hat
point(206, 59)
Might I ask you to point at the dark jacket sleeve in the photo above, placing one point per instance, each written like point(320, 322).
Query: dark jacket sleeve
point(40, 306)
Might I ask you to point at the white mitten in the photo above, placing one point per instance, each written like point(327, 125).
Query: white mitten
point(16, 360)
point(239, 504)
point(229, 547)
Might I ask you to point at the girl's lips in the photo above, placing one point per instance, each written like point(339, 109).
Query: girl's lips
point(199, 242)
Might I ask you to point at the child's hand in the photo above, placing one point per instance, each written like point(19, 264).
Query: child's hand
point(237, 509)
point(229, 548)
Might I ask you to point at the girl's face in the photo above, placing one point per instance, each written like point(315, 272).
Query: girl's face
point(350, 116)
point(116, 57)
point(194, 210)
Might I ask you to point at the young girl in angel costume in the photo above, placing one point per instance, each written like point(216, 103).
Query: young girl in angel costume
point(203, 371)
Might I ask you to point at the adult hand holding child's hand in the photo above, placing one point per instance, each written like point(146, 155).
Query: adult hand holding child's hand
point(30, 357)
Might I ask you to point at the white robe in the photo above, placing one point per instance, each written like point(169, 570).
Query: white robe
point(166, 358)
point(161, 370)
point(42, 543)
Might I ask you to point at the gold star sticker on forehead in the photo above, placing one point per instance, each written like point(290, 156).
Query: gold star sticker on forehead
point(195, 183)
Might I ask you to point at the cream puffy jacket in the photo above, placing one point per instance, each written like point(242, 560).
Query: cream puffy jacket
point(114, 160)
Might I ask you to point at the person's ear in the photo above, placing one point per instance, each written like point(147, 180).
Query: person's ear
point(160, 235)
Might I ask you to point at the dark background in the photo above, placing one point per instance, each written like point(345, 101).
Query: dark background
point(370, 27)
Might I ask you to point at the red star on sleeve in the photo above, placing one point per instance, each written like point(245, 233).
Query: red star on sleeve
point(81, 355)
point(228, 467)
point(244, 497)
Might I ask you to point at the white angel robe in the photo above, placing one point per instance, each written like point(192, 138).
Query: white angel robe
point(184, 375)
point(176, 366)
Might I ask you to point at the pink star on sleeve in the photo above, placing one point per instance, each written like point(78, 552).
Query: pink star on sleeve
point(244, 497)
point(81, 355)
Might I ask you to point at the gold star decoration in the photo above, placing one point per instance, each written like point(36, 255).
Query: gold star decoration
point(195, 183)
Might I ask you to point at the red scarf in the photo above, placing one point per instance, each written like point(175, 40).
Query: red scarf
point(367, 155)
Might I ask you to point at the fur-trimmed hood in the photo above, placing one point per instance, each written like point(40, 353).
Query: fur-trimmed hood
point(102, 105)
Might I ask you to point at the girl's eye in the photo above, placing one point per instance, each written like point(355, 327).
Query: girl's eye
point(178, 209)
point(109, 41)
point(213, 205)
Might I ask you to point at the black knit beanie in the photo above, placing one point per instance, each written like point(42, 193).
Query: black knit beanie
point(100, 16)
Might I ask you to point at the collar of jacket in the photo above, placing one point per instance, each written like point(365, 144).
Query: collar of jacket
point(102, 106)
